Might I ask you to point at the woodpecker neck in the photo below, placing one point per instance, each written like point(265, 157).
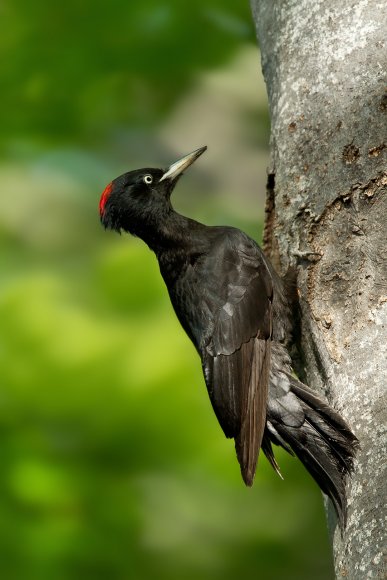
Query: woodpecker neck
point(168, 231)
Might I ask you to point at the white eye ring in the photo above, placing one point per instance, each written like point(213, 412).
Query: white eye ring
point(148, 179)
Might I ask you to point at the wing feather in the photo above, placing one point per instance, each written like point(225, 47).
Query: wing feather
point(254, 400)
point(236, 355)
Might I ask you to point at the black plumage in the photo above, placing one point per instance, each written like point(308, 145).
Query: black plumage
point(235, 309)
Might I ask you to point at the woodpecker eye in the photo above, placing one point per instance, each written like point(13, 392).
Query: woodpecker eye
point(148, 179)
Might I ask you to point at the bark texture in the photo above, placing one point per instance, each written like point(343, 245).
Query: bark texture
point(325, 66)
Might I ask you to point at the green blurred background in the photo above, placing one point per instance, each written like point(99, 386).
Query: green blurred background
point(112, 462)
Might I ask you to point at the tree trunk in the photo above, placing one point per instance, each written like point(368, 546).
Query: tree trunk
point(325, 66)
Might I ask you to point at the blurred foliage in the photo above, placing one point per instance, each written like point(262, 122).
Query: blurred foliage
point(112, 462)
point(83, 62)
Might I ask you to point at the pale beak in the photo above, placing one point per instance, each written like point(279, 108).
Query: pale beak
point(181, 165)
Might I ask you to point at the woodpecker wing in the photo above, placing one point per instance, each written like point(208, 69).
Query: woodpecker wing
point(237, 297)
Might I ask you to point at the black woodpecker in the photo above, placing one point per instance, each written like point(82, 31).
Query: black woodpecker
point(236, 310)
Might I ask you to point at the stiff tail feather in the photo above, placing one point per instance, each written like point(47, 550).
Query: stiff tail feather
point(306, 426)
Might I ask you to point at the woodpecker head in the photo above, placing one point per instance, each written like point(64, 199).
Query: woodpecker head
point(135, 199)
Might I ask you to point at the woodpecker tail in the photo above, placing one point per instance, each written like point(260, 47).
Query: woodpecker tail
point(303, 424)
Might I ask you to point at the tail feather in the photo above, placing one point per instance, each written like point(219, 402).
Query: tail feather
point(317, 459)
point(315, 433)
point(276, 438)
point(268, 451)
point(331, 426)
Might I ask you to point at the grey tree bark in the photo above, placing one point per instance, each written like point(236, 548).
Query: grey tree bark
point(325, 64)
